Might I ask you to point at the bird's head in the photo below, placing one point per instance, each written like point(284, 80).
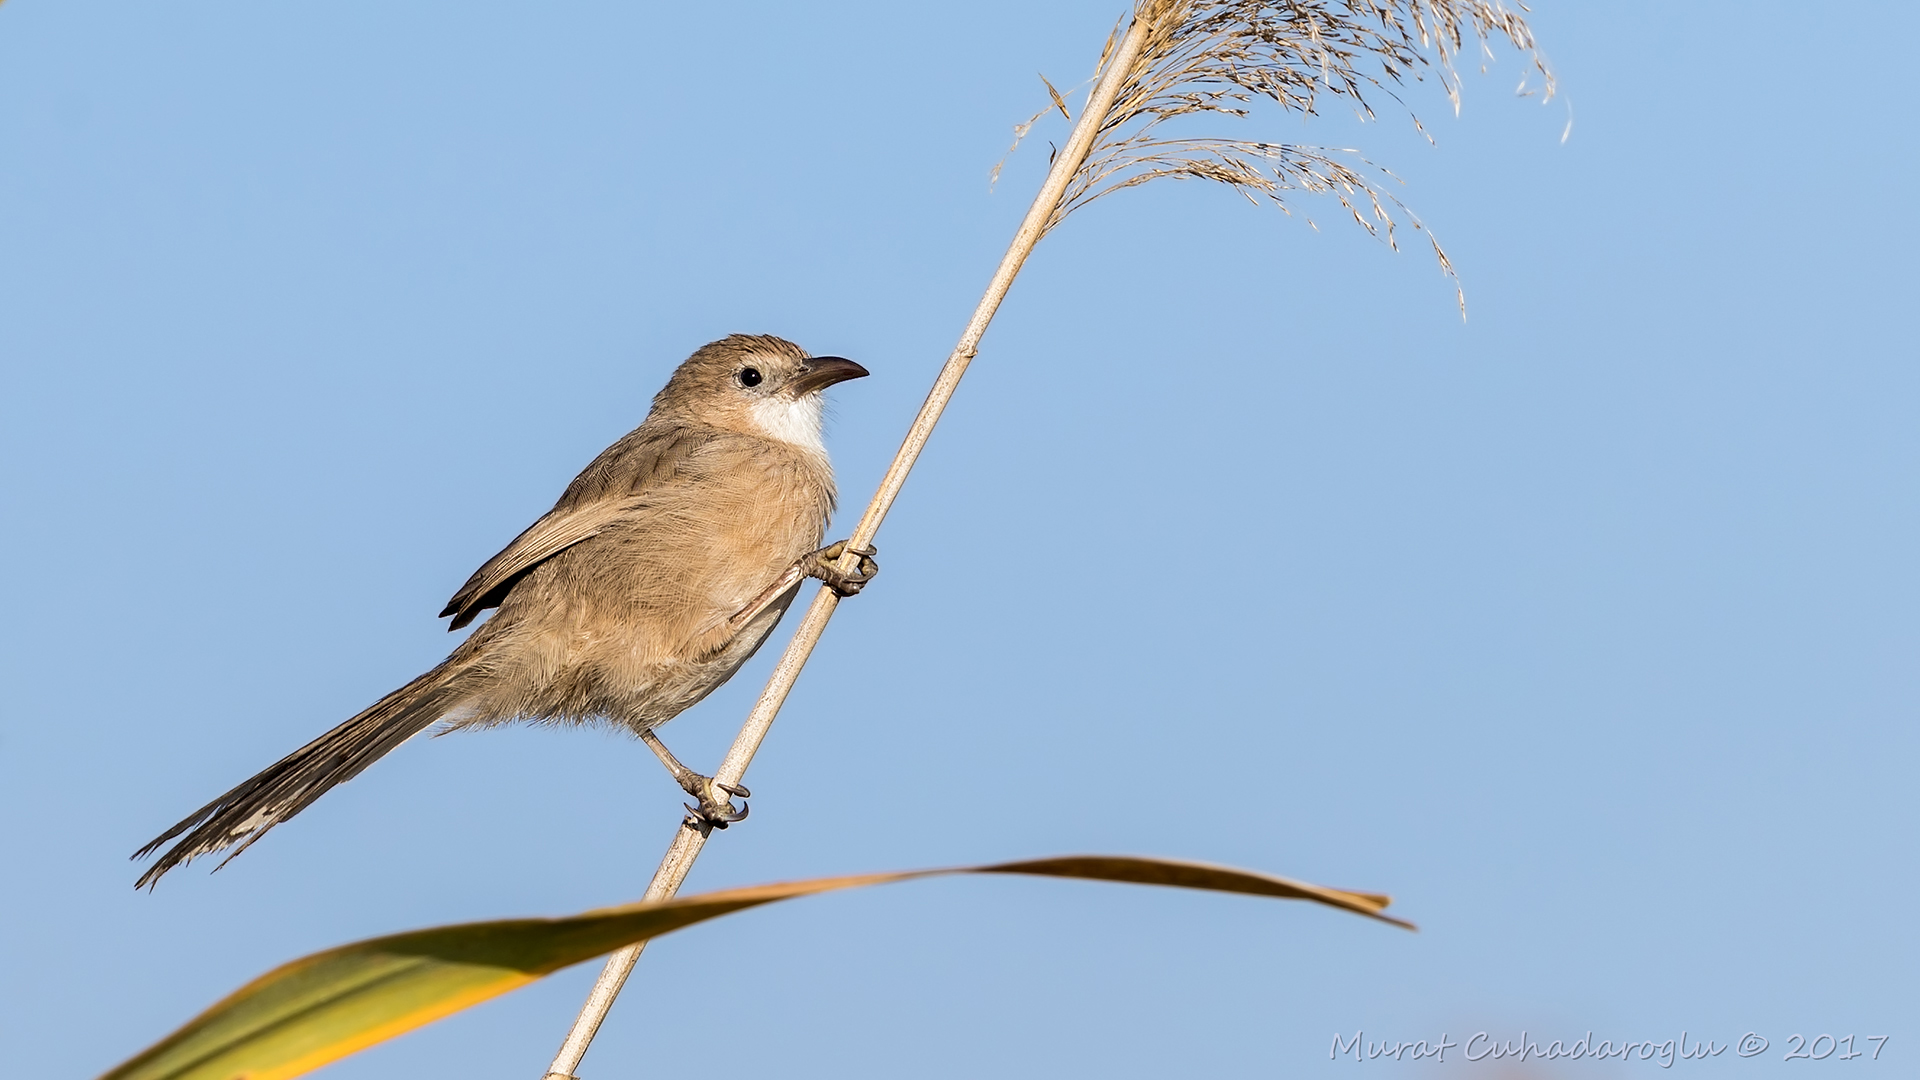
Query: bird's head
point(755, 384)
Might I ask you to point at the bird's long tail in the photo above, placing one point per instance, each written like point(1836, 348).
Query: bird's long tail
point(285, 788)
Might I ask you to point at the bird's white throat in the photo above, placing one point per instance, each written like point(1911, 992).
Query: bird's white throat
point(791, 420)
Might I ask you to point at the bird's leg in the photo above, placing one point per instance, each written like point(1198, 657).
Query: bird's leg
point(821, 564)
point(716, 809)
point(815, 564)
point(789, 578)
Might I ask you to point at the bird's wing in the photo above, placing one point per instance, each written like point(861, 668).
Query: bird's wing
point(614, 486)
point(552, 534)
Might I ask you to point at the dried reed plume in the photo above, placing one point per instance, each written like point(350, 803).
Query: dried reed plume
point(1219, 56)
point(1175, 58)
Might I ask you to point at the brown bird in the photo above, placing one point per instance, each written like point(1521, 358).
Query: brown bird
point(658, 573)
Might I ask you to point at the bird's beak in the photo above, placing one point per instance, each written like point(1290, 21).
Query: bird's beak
point(820, 372)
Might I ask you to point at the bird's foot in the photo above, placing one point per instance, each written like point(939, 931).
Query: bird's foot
point(715, 809)
point(822, 564)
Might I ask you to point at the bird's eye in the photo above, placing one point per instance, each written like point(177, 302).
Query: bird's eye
point(750, 376)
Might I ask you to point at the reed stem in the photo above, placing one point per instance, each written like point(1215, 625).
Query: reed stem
point(687, 840)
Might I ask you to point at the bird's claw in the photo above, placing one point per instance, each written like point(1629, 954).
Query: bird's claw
point(715, 809)
point(704, 819)
point(823, 564)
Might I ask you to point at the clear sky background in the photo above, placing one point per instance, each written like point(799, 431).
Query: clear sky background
point(1586, 628)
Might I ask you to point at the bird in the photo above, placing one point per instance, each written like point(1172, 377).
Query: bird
point(661, 569)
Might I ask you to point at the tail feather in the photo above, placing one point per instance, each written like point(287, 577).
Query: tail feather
point(288, 786)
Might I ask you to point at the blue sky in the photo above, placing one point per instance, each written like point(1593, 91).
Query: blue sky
point(1586, 627)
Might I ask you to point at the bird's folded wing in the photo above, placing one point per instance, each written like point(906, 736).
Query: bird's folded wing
point(552, 534)
point(617, 484)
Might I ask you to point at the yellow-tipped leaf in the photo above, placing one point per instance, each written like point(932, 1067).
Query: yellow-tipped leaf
point(323, 1007)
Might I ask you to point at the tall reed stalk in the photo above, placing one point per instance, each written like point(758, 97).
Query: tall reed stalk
point(1175, 59)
